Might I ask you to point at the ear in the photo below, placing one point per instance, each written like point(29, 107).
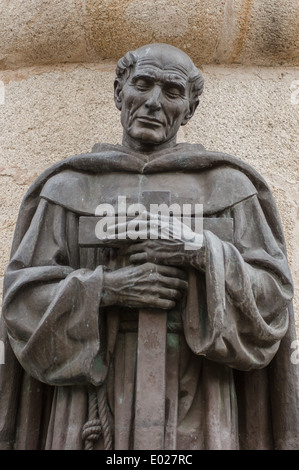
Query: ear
point(192, 107)
point(117, 94)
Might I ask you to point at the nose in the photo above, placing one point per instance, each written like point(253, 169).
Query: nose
point(154, 100)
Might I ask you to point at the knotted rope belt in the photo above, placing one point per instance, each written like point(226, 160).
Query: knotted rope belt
point(98, 424)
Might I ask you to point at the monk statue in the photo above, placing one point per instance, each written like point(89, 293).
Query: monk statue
point(123, 333)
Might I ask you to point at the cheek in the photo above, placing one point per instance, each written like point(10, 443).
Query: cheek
point(128, 108)
point(176, 112)
point(131, 101)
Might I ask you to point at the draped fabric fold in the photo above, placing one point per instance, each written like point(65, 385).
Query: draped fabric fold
point(231, 383)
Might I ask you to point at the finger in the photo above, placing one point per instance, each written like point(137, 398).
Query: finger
point(174, 283)
point(171, 271)
point(157, 258)
point(172, 261)
point(169, 294)
point(136, 248)
point(164, 304)
point(139, 258)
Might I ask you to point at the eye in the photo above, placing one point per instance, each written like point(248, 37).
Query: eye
point(173, 93)
point(142, 85)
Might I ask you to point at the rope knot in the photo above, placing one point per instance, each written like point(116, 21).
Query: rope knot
point(91, 432)
point(98, 423)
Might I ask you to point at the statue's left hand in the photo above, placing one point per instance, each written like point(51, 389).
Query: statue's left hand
point(162, 242)
point(167, 252)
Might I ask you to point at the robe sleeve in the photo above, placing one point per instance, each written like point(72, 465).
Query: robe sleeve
point(51, 308)
point(238, 313)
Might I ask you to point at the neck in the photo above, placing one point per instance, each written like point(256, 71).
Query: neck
point(146, 147)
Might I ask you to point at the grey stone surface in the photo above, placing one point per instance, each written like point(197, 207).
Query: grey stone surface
point(261, 32)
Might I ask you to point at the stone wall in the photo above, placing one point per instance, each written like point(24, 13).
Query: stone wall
point(260, 32)
point(57, 62)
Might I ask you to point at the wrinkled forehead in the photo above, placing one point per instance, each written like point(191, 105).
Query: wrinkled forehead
point(164, 56)
point(158, 70)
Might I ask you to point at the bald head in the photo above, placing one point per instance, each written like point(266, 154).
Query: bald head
point(163, 56)
point(166, 57)
point(157, 90)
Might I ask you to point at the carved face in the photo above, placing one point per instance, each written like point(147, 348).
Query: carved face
point(155, 102)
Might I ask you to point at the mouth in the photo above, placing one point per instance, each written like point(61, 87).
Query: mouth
point(149, 120)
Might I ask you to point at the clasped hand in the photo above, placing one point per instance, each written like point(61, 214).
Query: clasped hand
point(156, 278)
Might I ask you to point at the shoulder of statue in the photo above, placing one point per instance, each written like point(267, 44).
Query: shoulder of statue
point(229, 171)
point(224, 187)
point(235, 179)
point(66, 188)
point(68, 183)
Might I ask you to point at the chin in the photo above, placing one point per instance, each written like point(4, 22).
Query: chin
point(148, 137)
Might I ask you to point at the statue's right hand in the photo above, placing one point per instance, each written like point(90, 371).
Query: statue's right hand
point(147, 285)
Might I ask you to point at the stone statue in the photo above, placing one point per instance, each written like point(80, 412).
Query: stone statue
point(140, 341)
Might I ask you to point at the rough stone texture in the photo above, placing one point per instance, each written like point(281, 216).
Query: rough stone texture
point(52, 112)
point(260, 32)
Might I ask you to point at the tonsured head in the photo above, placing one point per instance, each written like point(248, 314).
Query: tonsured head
point(157, 90)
